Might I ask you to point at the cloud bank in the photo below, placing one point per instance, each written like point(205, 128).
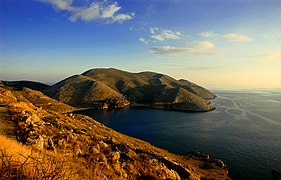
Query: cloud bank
point(201, 48)
point(97, 10)
point(232, 37)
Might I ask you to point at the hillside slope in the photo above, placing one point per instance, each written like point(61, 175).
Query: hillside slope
point(116, 88)
point(86, 146)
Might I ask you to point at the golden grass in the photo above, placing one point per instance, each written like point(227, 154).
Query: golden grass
point(22, 162)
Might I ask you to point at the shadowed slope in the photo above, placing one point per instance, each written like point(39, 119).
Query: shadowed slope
point(79, 90)
point(29, 84)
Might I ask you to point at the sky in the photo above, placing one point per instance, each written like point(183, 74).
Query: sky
point(214, 43)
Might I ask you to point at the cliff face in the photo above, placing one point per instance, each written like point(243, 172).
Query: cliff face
point(89, 148)
point(111, 85)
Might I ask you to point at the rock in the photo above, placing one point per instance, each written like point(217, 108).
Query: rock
point(72, 136)
point(115, 140)
point(173, 174)
point(40, 142)
point(61, 142)
point(105, 106)
point(207, 166)
point(125, 156)
point(275, 173)
point(78, 151)
point(181, 171)
point(47, 124)
point(102, 145)
point(219, 163)
point(198, 156)
point(95, 150)
point(114, 156)
point(51, 146)
point(34, 120)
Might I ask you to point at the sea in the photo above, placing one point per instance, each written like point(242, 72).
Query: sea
point(244, 130)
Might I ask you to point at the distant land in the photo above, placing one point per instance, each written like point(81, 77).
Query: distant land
point(112, 88)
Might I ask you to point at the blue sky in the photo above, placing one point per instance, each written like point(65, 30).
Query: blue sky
point(215, 43)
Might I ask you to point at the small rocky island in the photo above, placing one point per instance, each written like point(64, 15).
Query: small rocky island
point(113, 88)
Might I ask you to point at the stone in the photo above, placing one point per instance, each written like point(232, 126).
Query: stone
point(61, 142)
point(115, 140)
point(102, 145)
point(34, 120)
point(51, 146)
point(219, 163)
point(40, 142)
point(207, 166)
point(275, 173)
point(114, 156)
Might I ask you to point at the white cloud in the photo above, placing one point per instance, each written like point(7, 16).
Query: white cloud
point(200, 48)
point(208, 34)
point(143, 40)
point(153, 30)
point(236, 37)
point(97, 10)
point(229, 37)
point(158, 37)
point(171, 50)
point(164, 34)
point(109, 11)
point(59, 4)
point(87, 14)
point(122, 17)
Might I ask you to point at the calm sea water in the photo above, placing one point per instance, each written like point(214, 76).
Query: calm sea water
point(244, 130)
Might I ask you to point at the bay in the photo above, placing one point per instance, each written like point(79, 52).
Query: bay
point(244, 130)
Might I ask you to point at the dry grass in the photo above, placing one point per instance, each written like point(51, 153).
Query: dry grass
point(24, 162)
point(21, 162)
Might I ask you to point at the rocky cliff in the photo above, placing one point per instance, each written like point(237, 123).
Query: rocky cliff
point(105, 88)
point(87, 148)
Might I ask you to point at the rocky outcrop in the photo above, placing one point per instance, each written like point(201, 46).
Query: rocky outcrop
point(112, 88)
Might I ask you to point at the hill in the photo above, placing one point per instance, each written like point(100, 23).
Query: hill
point(52, 143)
point(115, 88)
point(29, 84)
